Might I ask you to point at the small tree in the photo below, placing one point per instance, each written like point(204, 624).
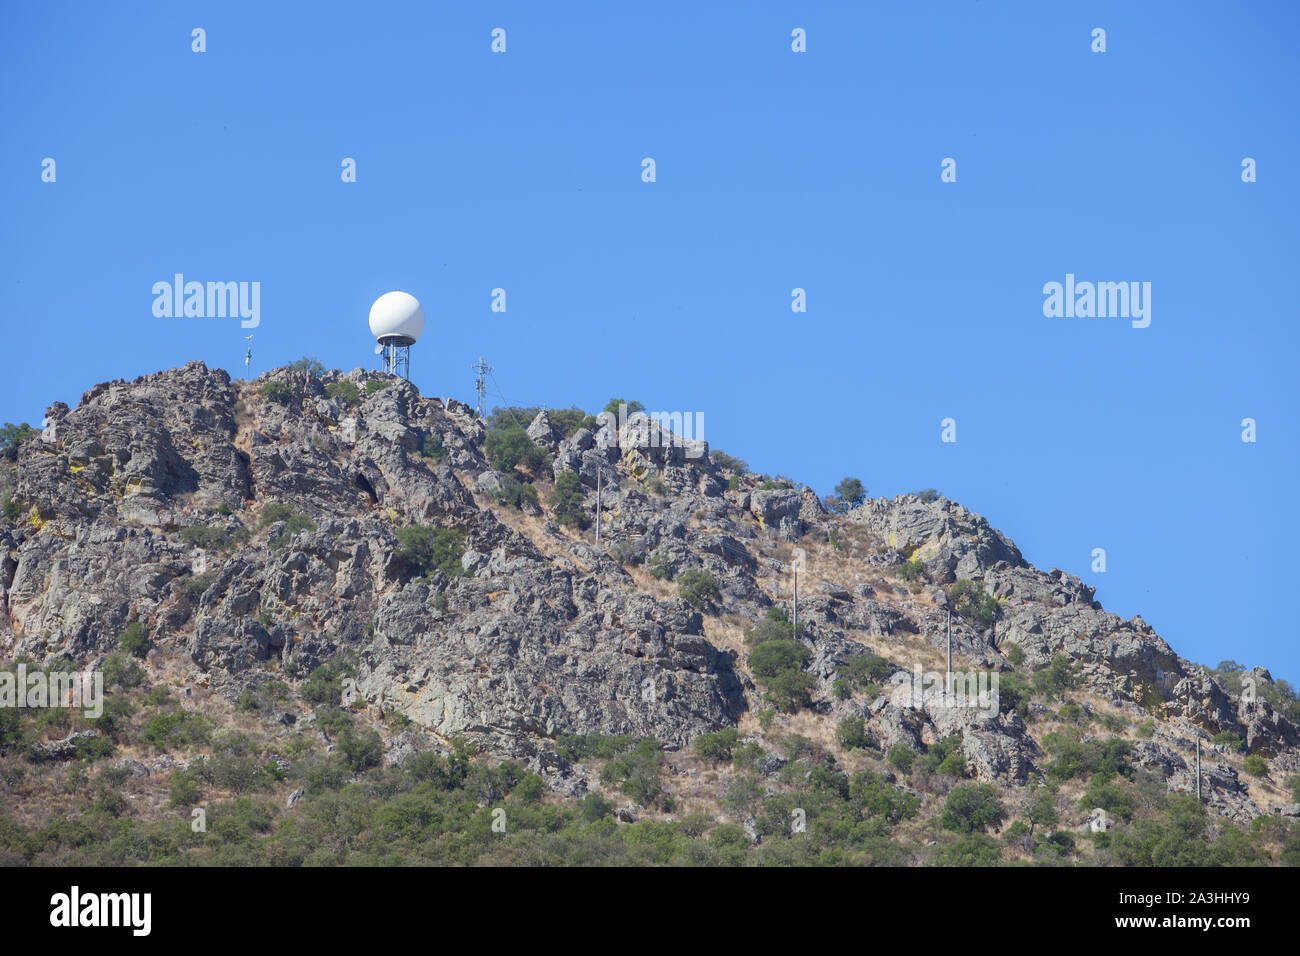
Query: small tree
point(310, 365)
point(134, 640)
point(1256, 765)
point(851, 734)
point(971, 601)
point(728, 462)
point(510, 447)
point(276, 391)
point(11, 436)
point(424, 548)
point(633, 406)
point(851, 493)
point(344, 391)
point(567, 500)
point(1057, 677)
point(972, 809)
point(1041, 811)
point(778, 666)
point(698, 589)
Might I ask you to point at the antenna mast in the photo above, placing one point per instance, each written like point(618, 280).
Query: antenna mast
point(483, 368)
point(248, 356)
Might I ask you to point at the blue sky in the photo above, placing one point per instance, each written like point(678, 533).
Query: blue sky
point(775, 170)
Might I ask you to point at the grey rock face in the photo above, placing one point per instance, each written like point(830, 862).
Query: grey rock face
point(256, 530)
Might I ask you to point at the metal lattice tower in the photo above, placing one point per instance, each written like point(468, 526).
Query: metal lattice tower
point(480, 385)
point(395, 353)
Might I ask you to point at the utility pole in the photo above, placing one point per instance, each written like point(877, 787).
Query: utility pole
point(947, 687)
point(599, 472)
point(248, 356)
point(481, 385)
point(1198, 769)
point(796, 600)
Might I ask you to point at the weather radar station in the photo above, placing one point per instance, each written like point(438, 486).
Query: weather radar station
point(396, 321)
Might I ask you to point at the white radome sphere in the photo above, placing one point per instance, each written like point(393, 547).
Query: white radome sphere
point(396, 313)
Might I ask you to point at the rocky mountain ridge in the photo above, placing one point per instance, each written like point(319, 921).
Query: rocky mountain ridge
point(257, 531)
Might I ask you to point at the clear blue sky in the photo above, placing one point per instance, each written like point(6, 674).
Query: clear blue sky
point(775, 170)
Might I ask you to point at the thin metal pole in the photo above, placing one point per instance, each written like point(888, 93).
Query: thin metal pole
point(796, 602)
point(948, 685)
point(1198, 769)
point(599, 473)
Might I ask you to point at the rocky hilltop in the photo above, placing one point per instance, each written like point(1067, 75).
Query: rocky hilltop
point(260, 531)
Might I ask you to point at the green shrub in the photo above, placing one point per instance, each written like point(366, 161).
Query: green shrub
point(778, 665)
point(208, 537)
point(433, 447)
point(360, 750)
point(274, 511)
point(851, 734)
point(1228, 738)
point(860, 674)
point(698, 589)
point(292, 526)
point(184, 789)
point(911, 571)
point(13, 507)
point(134, 640)
point(1092, 758)
point(1073, 714)
point(1057, 677)
point(928, 495)
point(310, 365)
point(1146, 729)
point(728, 462)
point(1013, 694)
point(661, 567)
point(1255, 765)
point(193, 588)
point(375, 385)
point(119, 668)
point(901, 758)
point(1015, 654)
point(344, 391)
point(971, 601)
point(422, 549)
point(515, 493)
point(717, 746)
point(510, 447)
point(575, 747)
point(944, 757)
point(177, 728)
point(1115, 799)
point(972, 849)
point(12, 436)
point(633, 406)
point(849, 493)
point(324, 685)
point(972, 808)
point(567, 500)
point(276, 391)
point(637, 772)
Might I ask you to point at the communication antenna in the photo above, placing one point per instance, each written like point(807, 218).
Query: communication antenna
point(248, 356)
point(396, 321)
point(483, 369)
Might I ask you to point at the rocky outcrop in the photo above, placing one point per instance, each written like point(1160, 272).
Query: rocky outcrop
point(262, 527)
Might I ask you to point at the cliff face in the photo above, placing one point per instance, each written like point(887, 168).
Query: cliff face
point(259, 530)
